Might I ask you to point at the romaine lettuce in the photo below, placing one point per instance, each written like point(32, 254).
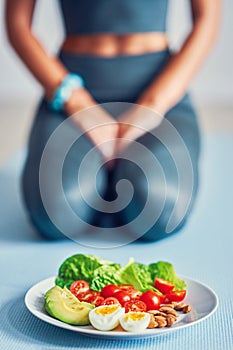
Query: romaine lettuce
point(138, 275)
point(99, 272)
point(105, 274)
point(165, 270)
point(79, 267)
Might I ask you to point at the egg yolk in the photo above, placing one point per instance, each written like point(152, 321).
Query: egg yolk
point(136, 316)
point(106, 310)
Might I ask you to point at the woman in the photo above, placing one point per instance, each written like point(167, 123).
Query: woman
point(120, 50)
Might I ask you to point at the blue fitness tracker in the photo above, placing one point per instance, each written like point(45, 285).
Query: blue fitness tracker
point(62, 94)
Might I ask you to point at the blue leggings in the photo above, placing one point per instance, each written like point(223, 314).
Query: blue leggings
point(111, 80)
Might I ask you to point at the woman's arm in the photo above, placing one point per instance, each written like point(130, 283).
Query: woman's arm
point(167, 89)
point(50, 72)
point(45, 68)
point(174, 80)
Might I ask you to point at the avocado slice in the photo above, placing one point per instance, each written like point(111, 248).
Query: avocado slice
point(63, 305)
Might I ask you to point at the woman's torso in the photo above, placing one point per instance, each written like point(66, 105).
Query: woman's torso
point(114, 27)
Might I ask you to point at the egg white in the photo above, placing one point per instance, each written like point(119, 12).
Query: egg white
point(106, 317)
point(135, 321)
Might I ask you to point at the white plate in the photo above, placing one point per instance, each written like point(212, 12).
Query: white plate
point(203, 300)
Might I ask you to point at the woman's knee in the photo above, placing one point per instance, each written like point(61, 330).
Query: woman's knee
point(55, 212)
point(45, 226)
point(171, 220)
point(35, 210)
point(53, 219)
point(159, 210)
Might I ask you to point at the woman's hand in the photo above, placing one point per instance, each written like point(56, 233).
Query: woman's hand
point(98, 125)
point(141, 118)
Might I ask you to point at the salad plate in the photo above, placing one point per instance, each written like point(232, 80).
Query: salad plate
point(202, 299)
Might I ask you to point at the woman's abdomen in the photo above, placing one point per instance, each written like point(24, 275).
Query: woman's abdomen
point(119, 78)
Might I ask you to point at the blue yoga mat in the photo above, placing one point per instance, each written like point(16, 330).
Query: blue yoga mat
point(202, 250)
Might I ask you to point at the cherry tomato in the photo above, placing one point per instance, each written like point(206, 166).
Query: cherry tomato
point(163, 299)
point(85, 296)
point(111, 301)
point(78, 287)
point(94, 292)
point(135, 305)
point(163, 286)
point(88, 296)
point(176, 295)
point(97, 300)
point(122, 296)
point(151, 299)
point(109, 290)
point(129, 288)
point(134, 294)
point(126, 287)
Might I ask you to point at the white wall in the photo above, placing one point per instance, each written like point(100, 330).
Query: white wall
point(212, 84)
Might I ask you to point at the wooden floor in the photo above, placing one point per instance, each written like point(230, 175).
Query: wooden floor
point(15, 122)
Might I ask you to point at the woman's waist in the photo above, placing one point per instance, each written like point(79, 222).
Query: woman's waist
point(111, 45)
point(117, 78)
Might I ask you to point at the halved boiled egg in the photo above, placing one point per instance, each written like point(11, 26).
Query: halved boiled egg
point(106, 317)
point(135, 321)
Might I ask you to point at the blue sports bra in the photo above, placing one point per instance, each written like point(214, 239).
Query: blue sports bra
point(114, 16)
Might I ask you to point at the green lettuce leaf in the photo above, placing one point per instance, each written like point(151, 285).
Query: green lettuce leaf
point(105, 274)
point(138, 275)
point(78, 267)
point(99, 272)
point(165, 270)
